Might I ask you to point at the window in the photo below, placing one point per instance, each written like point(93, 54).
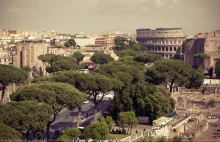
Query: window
point(171, 49)
point(166, 48)
point(174, 48)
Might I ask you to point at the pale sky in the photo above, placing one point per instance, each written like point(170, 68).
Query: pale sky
point(94, 16)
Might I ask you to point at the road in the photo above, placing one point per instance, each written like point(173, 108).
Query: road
point(62, 122)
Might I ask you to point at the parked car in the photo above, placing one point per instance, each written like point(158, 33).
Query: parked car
point(86, 102)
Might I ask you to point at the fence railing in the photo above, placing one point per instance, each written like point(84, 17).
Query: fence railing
point(132, 138)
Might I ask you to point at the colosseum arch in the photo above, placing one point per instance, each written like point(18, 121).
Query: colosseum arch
point(171, 49)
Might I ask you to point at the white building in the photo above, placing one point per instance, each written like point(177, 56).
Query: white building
point(84, 41)
point(5, 39)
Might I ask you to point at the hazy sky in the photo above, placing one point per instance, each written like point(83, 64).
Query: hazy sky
point(73, 16)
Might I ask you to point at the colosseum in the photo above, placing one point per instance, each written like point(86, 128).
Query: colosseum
point(164, 41)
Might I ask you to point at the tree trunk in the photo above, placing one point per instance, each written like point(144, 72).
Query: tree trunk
point(3, 93)
point(171, 86)
point(27, 135)
point(78, 116)
point(95, 111)
point(49, 124)
point(48, 131)
point(34, 135)
point(130, 129)
point(171, 89)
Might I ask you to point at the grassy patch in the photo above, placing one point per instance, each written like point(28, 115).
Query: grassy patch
point(118, 136)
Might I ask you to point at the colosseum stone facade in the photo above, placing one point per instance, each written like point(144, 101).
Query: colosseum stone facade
point(164, 41)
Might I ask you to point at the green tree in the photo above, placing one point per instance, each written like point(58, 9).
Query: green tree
point(121, 43)
point(69, 134)
point(46, 59)
point(210, 72)
point(8, 134)
point(101, 58)
point(98, 131)
point(135, 94)
point(169, 72)
point(78, 56)
point(26, 69)
point(147, 58)
point(83, 66)
point(108, 120)
point(178, 54)
point(26, 116)
point(130, 76)
point(124, 53)
point(9, 75)
point(94, 85)
point(57, 95)
point(72, 132)
point(201, 57)
point(70, 42)
point(63, 138)
point(135, 47)
point(55, 63)
point(196, 78)
point(61, 65)
point(217, 69)
point(127, 119)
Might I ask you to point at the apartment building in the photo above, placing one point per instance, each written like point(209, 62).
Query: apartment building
point(5, 57)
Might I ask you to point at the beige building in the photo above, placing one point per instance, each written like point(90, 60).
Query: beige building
point(105, 40)
point(94, 48)
point(164, 41)
point(208, 43)
point(5, 57)
point(27, 55)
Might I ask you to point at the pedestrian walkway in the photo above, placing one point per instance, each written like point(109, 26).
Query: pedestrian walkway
point(138, 128)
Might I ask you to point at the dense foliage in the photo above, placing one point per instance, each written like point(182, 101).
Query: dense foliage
point(147, 58)
point(97, 131)
point(8, 75)
point(127, 120)
point(70, 43)
point(79, 57)
point(57, 95)
point(68, 135)
point(174, 73)
point(8, 134)
point(101, 58)
point(26, 116)
point(136, 94)
point(56, 63)
point(122, 43)
point(93, 85)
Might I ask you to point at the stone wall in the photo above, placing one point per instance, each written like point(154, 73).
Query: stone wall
point(208, 43)
point(27, 55)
